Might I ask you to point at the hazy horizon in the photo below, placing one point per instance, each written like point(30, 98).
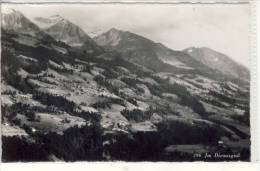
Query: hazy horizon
point(224, 28)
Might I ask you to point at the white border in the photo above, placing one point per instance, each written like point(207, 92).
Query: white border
point(254, 118)
point(123, 166)
point(127, 166)
point(129, 1)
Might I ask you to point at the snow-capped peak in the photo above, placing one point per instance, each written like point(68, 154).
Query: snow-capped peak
point(57, 16)
point(48, 22)
point(6, 11)
point(114, 30)
point(11, 19)
point(14, 20)
point(190, 50)
point(62, 29)
point(111, 37)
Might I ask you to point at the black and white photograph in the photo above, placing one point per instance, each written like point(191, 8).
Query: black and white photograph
point(125, 82)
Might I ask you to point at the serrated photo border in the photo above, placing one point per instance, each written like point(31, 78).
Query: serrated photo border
point(254, 92)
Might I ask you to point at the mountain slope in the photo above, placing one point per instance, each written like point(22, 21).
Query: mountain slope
point(219, 61)
point(15, 21)
point(63, 30)
point(140, 50)
point(59, 104)
point(47, 22)
point(134, 48)
point(156, 56)
point(67, 102)
point(67, 32)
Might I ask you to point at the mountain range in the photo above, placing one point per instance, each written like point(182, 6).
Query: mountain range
point(138, 49)
point(219, 61)
point(66, 96)
point(63, 30)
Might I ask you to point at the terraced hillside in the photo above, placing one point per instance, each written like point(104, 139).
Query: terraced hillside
point(64, 103)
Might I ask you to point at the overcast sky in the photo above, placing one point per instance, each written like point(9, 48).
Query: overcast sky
point(221, 27)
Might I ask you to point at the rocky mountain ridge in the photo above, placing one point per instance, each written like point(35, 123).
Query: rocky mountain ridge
point(61, 102)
